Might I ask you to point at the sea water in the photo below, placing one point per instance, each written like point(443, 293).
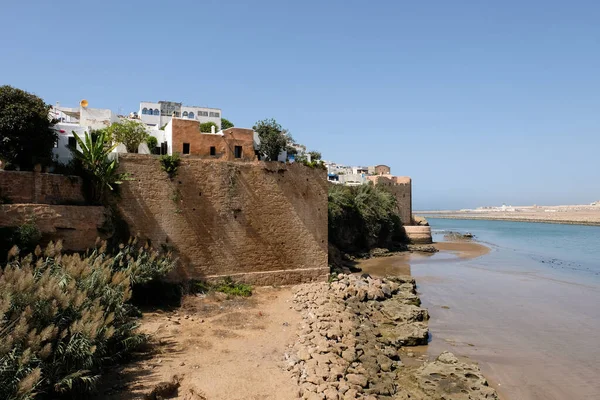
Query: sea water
point(570, 252)
point(528, 312)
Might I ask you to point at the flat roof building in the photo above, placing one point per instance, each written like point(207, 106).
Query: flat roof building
point(158, 114)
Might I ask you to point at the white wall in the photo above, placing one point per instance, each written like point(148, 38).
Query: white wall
point(169, 138)
point(61, 153)
point(161, 120)
point(97, 118)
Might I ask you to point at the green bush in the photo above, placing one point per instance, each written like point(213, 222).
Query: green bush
point(170, 164)
point(206, 127)
point(228, 286)
point(63, 318)
point(26, 237)
point(362, 217)
point(98, 171)
point(152, 142)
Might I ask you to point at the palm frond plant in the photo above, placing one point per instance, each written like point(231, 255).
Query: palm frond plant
point(97, 165)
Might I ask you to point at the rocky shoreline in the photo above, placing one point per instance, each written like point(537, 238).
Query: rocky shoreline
point(353, 338)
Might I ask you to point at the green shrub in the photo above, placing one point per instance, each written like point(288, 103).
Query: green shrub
point(152, 142)
point(206, 127)
point(98, 171)
point(63, 318)
point(26, 237)
point(228, 286)
point(362, 217)
point(170, 164)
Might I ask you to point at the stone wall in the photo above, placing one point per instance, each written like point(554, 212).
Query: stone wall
point(263, 223)
point(35, 187)
point(77, 226)
point(418, 234)
point(401, 187)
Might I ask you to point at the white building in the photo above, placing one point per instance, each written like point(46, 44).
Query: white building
point(76, 120)
point(158, 114)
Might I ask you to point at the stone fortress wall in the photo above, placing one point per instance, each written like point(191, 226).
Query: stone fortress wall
point(262, 223)
point(54, 204)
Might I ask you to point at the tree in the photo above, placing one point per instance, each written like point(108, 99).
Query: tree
point(98, 169)
point(26, 135)
point(314, 155)
point(152, 142)
point(130, 133)
point(206, 127)
point(226, 124)
point(273, 138)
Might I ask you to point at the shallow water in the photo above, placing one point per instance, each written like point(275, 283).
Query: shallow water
point(528, 312)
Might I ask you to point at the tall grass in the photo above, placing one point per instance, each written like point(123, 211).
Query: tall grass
point(65, 317)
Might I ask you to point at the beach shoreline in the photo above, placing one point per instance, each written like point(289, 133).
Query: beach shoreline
point(566, 214)
point(514, 219)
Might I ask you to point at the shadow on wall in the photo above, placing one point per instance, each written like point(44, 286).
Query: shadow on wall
point(265, 222)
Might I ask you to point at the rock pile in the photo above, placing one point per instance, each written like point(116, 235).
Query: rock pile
point(352, 331)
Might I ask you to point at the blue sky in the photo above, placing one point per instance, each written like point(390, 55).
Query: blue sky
point(479, 102)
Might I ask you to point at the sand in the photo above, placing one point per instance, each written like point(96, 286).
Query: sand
point(578, 215)
point(399, 264)
point(229, 349)
point(222, 348)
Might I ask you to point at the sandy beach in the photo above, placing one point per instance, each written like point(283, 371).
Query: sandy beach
point(578, 215)
point(282, 343)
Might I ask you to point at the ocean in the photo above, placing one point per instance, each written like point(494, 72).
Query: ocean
point(570, 252)
point(528, 312)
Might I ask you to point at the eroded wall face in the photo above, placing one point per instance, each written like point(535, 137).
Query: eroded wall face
point(77, 226)
point(403, 193)
point(264, 223)
point(35, 187)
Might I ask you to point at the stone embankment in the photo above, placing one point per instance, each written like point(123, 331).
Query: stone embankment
point(350, 343)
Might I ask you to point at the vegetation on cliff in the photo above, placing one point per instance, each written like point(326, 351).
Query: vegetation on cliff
point(273, 138)
point(65, 317)
point(206, 127)
point(362, 217)
point(128, 132)
point(95, 165)
point(226, 124)
point(26, 136)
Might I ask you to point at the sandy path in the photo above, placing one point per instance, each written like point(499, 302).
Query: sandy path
point(235, 353)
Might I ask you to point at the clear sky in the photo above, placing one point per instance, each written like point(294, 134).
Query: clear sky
point(480, 102)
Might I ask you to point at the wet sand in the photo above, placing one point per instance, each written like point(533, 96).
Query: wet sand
point(533, 337)
point(400, 264)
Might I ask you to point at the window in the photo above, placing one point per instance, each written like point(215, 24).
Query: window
point(185, 114)
point(72, 142)
point(238, 151)
point(156, 112)
point(214, 114)
point(213, 151)
point(144, 111)
point(186, 148)
point(191, 115)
